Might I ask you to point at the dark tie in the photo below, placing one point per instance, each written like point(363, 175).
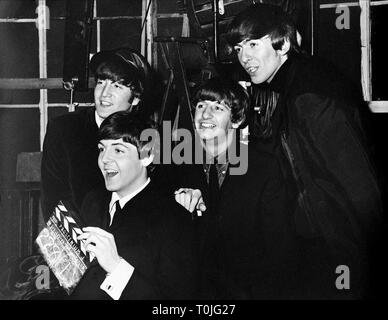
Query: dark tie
point(117, 215)
point(213, 186)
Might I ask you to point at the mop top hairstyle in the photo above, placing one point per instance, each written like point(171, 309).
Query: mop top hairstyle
point(259, 20)
point(129, 127)
point(228, 92)
point(123, 65)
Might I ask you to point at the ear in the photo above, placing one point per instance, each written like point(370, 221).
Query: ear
point(286, 47)
point(146, 161)
point(236, 125)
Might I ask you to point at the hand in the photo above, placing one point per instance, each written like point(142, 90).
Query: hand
point(102, 244)
point(245, 84)
point(190, 199)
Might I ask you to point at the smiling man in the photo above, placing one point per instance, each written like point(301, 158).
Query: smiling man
point(69, 163)
point(143, 242)
point(316, 132)
point(245, 234)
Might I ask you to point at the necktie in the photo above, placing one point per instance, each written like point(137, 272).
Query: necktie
point(118, 213)
point(213, 186)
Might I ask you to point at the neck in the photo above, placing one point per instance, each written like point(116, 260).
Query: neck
point(135, 185)
point(216, 147)
point(282, 60)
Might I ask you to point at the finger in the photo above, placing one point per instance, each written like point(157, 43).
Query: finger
point(98, 231)
point(178, 198)
point(83, 236)
point(90, 240)
point(194, 201)
point(180, 190)
point(188, 197)
point(95, 251)
point(201, 206)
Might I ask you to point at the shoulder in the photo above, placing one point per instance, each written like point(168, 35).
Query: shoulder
point(95, 201)
point(262, 165)
point(73, 119)
point(258, 157)
point(164, 210)
point(319, 78)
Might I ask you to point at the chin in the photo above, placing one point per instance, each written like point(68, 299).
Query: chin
point(110, 187)
point(207, 136)
point(257, 80)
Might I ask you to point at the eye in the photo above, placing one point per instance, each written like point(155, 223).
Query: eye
point(99, 82)
point(253, 44)
point(237, 49)
point(119, 151)
point(219, 107)
point(199, 105)
point(100, 149)
point(117, 85)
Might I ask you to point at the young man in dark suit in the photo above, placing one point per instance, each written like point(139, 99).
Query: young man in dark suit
point(245, 232)
point(143, 242)
point(69, 162)
point(316, 132)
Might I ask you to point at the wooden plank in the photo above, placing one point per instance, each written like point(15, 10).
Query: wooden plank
point(35, 83)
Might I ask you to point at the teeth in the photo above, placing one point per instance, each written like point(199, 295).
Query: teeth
point(251, 69)
point(104, 103)
point(207, 125)
point(111, 173)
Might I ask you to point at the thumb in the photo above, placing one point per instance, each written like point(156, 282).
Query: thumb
point(201, 206)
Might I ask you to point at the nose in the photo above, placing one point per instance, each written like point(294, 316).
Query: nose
point(244, 55)
point(106, 89)
point(207, 112)
point(105, 156)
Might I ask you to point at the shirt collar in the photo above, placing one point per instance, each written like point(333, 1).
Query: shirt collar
point(123, 201)
point(99, 120)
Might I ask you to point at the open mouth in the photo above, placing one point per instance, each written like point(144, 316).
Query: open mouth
point(105, 103)
point(252, 70)
point(206, 125)
point(111, 173)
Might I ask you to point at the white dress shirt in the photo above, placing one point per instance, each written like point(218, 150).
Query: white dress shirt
point(99, 120)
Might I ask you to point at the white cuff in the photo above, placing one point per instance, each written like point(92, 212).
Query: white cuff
point(116, 281)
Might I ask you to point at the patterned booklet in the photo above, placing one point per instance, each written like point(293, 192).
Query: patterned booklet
point(65, 255)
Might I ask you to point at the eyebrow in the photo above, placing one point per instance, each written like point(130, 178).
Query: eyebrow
point(120, 81)
point(114, 144)
point(119, 144)
point(222, 103)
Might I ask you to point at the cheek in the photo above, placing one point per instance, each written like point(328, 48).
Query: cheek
point(197, 116)
point(225, 121)
point(100, 156)
point(97, 91)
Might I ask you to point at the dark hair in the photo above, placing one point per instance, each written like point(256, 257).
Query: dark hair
point(116, 70)
point(259, 20)
point(129, 127)
point(228, 92)
point(125, 65)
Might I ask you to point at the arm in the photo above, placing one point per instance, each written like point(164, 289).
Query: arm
point(102, 245)
point(54, 170)
point(347, 181)
point(169, 271)
point(164, 270)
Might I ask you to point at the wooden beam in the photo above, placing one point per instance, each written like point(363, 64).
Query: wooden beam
point(35, 83)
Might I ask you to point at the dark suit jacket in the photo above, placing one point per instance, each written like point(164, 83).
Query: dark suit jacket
point(69, 161)
point(248, 249)
point(317, 130)
point(155, 236)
